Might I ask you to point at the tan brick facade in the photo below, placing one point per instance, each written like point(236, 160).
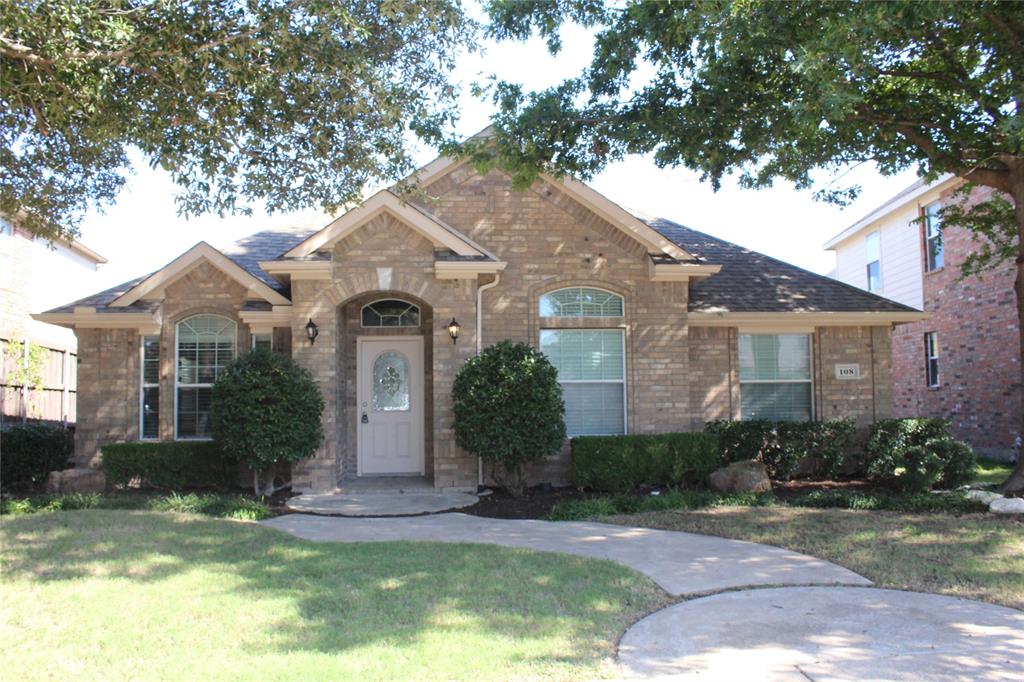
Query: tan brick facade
point(677, 376)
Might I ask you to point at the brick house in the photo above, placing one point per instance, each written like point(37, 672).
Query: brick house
point(653, 326)
point(961, 362)
point(27, 284)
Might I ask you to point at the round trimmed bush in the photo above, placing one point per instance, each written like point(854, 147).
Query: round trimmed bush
point(266, 409)
point(509, 410)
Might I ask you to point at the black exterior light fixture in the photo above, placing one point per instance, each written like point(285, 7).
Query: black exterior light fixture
point(453, 329)
point(311, 331)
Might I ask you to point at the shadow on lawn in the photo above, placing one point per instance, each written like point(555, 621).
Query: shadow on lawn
point(347, 595)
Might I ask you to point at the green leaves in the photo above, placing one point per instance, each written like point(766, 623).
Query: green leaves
point(292, 103)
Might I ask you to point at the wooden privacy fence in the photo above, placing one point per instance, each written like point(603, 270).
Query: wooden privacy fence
point(38, 381)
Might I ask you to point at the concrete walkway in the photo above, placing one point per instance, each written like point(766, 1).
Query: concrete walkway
point(835, 633)
point(381, 503)
point(681, 563)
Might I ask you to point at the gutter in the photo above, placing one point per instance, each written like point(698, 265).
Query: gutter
point(480, 346)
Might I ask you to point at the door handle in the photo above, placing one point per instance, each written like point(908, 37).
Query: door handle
point(365, 419)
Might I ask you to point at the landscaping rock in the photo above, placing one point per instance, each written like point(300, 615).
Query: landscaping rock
point(76, 481)
point(984, 496)
point(747, 476)
point(1007, 505)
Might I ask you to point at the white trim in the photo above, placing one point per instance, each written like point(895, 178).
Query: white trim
point(623, 381)
point(439, 233)
point(177, 386)
point(446, 269)
point(298, 269)
point(264, 321)
point(143, 386)
point(682, 272)
point(910, 194)
point(185, 263)
point(802, 320)
point(810, 357)
point(86, 317)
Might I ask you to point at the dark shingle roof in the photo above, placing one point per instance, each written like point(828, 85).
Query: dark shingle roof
point(749, 281)
point(753, 282)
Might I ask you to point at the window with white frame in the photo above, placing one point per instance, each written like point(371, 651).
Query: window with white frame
point(149, 392)
point(581, 302)
point(390, 313)
point(931, 359)
point(873, 249)
point(775, 377)
point(591, 370)
point(262, 342)
point(205, 345)
point(933, 237)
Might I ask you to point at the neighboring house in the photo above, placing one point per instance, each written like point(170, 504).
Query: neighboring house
point(962, 362)
point(34, 275)
point(653, 327)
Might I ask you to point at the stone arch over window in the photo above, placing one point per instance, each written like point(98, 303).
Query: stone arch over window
point(582, 302)
point(390, 312)
point(204, 346)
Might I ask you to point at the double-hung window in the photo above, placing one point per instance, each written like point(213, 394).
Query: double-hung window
point(149, 398)
point(873, 249)
point(206, 344)
point(591, 363)
point(775, 377)
point(931, 359)
point(933, 237)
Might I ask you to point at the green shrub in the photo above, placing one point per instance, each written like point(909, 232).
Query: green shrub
point(266, 408)
point(637, 504)
point(168, 465)
point(921, 502)
point(508, 409)
point(891, 437)
point(31, 452)
point(625, 463)
point(240, 507)
point(959, 462)
point(784, 446)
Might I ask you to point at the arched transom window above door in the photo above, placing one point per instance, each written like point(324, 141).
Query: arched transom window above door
point(391, 312)
point(581, 302)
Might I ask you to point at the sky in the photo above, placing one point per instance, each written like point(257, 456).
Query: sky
point(142, 231)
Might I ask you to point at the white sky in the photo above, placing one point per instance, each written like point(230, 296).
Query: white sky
point(142, 231)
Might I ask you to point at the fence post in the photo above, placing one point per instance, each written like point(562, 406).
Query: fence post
point(65, 394)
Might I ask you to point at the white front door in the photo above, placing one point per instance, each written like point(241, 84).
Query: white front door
point(389, 398)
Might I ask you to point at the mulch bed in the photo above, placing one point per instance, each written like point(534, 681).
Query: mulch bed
point(787, 490)
point(535, 503)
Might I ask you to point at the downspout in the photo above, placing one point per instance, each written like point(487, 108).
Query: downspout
point(479, 348)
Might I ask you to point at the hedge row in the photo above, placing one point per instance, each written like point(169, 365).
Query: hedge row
point(168, 465)
point(32, 451)
point(625, 463)
point(917, 454)
point(817, 448)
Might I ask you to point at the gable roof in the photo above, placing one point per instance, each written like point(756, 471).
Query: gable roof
point(751, 282)
point(185, 263)
point(581, 192)
point(385, 201)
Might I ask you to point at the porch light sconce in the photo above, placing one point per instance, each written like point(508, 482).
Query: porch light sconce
point(311, 331)
point(453, 330)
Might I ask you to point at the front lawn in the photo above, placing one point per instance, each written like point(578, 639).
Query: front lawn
point(992, 472)
point(980, 556)
point(140, 595)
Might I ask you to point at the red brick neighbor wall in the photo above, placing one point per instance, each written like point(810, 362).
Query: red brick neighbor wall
point(975, 321)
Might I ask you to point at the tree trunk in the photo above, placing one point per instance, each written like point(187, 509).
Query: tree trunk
point(1015, 483)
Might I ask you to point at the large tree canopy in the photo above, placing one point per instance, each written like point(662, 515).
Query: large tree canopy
point(771, 90)
point(294, 103)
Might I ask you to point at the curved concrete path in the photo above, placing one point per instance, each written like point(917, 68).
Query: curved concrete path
point(827, 633)
point(381, 503)
point(681, 563)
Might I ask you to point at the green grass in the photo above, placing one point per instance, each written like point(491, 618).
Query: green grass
point(980, 556)
point(238, 507)
point(99, 594)
point(992, 472)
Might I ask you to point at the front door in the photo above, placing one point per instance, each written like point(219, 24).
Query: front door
point(389, 398)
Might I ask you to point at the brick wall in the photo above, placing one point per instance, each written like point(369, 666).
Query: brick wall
point(975, 321)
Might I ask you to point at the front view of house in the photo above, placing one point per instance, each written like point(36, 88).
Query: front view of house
point(653, 327)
